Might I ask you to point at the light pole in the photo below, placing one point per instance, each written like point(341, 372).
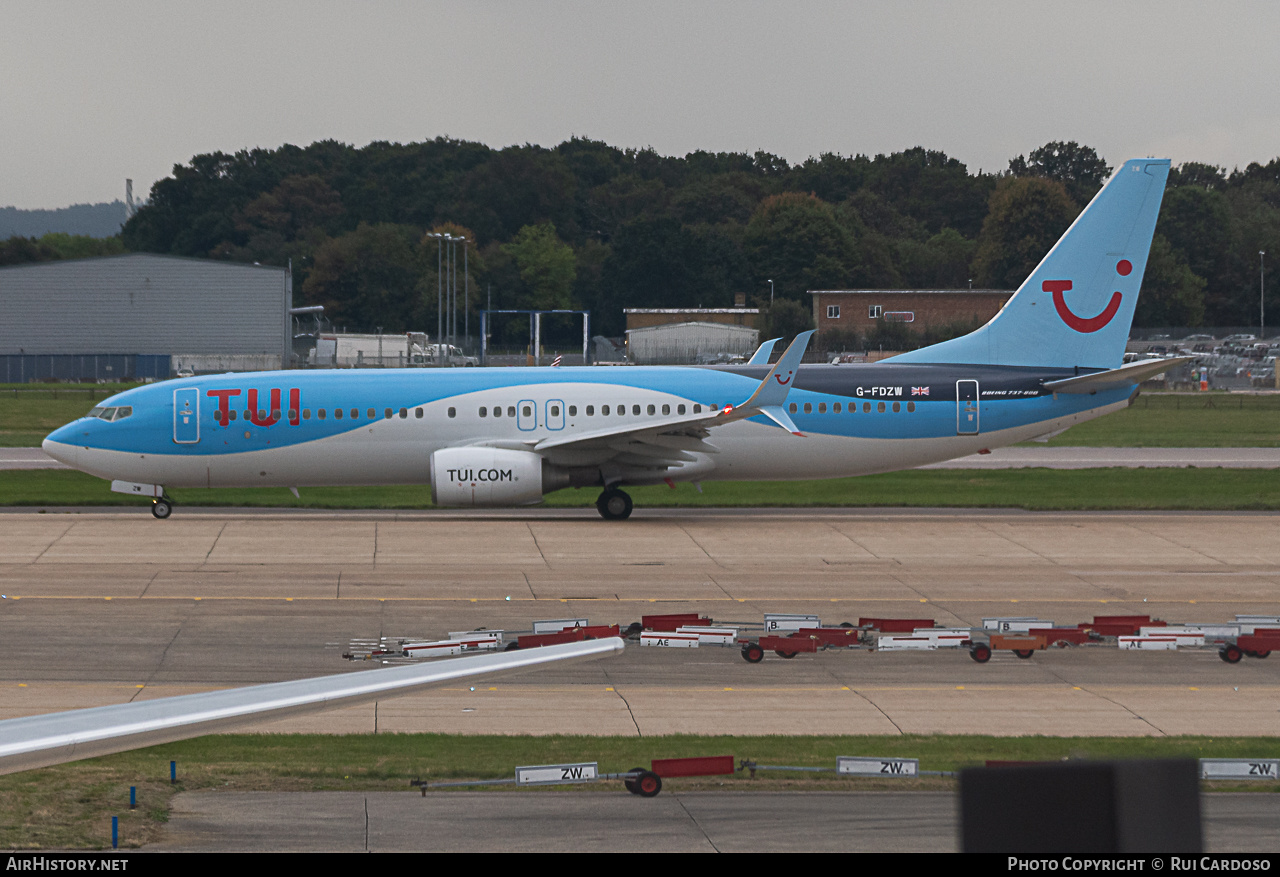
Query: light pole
point(770, 282)
point(451, 323)
point(439, 284)
point(466, 292)
point(1262, 294)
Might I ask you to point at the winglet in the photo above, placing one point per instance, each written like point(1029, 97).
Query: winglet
point(763, 352)
point(778, 415)
point(773, 390)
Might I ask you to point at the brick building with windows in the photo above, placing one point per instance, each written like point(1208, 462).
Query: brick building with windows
point(861, 311)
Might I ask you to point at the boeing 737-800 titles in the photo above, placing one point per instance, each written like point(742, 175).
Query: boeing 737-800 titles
point(502, 437)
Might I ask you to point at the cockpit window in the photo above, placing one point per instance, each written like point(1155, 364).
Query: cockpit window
point(111, 413)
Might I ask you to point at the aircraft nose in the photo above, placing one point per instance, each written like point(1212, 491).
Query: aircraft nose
point(60, 444)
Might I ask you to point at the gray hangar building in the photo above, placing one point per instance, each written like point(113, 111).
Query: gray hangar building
point(141, 316)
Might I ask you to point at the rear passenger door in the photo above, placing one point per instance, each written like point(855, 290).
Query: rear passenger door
point(966, 407)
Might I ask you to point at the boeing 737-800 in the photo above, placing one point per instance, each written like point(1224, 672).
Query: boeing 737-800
point(1051, 358)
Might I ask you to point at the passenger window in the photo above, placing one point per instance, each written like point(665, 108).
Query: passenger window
point(822, 407)
point(372, 413)
point(355, 413)
point(714, 407)
point(679, 409)
point(320, 413)
point(622, 410)
point(880, 407)
point(835, 409)
point(555, 410)
point(275, 414)
point(526, 411)
point(404, 412)
point(293, 414)
point(794, 407)
point(911, 406)
point(511, 411)
point(497, 410)
point(591, 411)
point(417, 412)
point(897, 406)
point(453, 412)
point(666, 409)
point(652, 410)
point(604, 410)
point(306, 414)
point(573, 410)
point(337, 414)
point(866, 407)
point(697, 409)
point(635, 410)
point(484, 412)
point(808, 408)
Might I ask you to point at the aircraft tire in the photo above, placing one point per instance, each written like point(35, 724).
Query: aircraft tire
point(614, 505)
point(162, 508)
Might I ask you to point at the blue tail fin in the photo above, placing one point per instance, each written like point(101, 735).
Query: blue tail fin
point(1077, 306)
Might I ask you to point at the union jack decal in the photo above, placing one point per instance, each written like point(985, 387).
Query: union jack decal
point(919, 391)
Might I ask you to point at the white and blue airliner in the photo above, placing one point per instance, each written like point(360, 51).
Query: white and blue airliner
point(1051, 358)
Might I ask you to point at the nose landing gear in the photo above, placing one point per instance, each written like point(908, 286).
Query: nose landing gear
point(162, 507)
point(614, 505)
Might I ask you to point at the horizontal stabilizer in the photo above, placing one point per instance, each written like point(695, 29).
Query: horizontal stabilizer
point(1127, 375)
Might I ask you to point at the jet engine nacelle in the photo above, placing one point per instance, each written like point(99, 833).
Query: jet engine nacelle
point(482, 477)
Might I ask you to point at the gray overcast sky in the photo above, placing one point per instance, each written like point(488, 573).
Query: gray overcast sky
point(97, 92)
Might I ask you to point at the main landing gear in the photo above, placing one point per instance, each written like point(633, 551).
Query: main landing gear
point(162, 507)
point(614, 505)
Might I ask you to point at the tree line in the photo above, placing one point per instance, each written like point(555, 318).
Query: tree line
point(586, 225)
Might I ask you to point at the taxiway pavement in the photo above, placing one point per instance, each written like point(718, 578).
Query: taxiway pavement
point(559, 822)
point(108, 607)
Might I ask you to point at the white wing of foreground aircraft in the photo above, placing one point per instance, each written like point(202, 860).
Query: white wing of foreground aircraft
point(37, 741)
point(498, 437)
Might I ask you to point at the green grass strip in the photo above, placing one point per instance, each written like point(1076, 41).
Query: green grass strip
point(1032, 489)
point(1166, 420)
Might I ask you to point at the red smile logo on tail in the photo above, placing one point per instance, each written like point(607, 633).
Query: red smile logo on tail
point(1085, 324)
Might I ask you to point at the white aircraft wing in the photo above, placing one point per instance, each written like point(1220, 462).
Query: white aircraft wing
point(658, 445)
point(36, 741)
